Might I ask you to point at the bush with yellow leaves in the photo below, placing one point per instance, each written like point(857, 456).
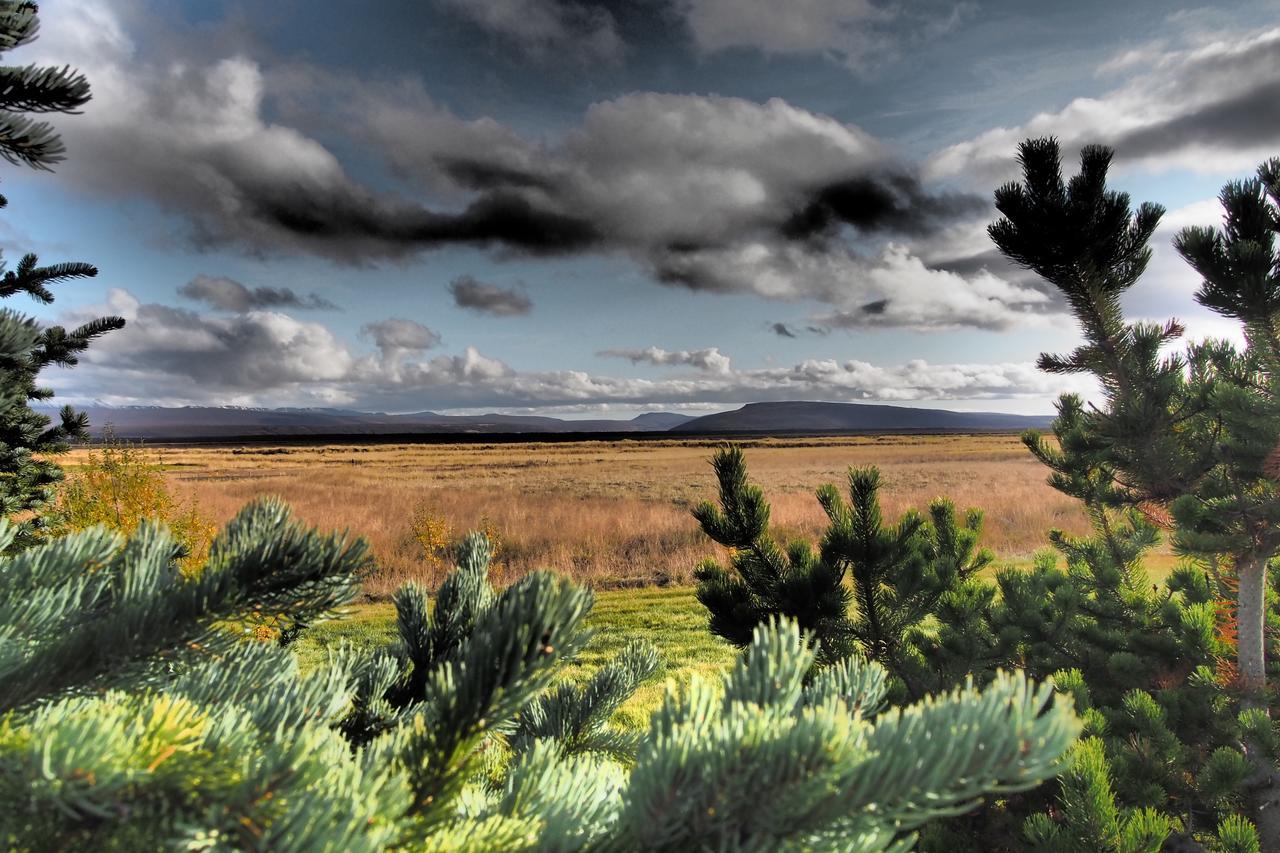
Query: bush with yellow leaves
point(119, 486)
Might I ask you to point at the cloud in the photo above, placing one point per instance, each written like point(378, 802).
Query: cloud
point(469, 292)
point(545, 28)
point(710, 359)
point(252, 352)
point(194, 140)
point(895, 203)
point(171, 356)
point(704, 192)
point(227, 294)
point(1207, 108)
point(723, 195)
point(782, 330)
point(893, 288)
point(397, 338)
point(651, 170)
point(857, 33)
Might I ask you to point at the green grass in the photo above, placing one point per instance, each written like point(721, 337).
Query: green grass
point(671, 619)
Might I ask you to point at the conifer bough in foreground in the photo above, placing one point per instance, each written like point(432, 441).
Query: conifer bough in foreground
point(135, 719)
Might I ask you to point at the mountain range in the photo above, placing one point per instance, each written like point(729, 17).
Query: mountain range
point(210, 422)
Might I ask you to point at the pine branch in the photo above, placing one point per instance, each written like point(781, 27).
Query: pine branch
point(37, 89)
point(24, 142)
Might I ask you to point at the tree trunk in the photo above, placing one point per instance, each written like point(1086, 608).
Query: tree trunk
point(1251, 622)
point(1262, 798)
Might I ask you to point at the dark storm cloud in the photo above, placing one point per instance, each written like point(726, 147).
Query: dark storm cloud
point(705, 192)
point(669, 178)
point(782, 330)
point(357, 222)
point(471, 293)
point(1246, 119)
point(889, 203)
point(230, 295)
point(476, 174)
point(194, 140)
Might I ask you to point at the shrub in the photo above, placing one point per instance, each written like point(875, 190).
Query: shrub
point(120, 487)
point(432, 532)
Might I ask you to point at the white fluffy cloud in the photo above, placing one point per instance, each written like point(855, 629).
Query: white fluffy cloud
point(710, 359)
point(1211, 107)
point(176, 357)
point(243, 353)
point(894, 288)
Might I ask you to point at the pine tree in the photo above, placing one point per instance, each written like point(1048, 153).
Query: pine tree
point(867, 589)
point(1142, 662)
point(1188, 431)
point(1185, 436)
point(1235, 509)
point(26, 482)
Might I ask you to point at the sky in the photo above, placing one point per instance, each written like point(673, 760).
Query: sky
point(597, 209)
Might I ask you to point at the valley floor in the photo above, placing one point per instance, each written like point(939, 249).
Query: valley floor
point(609, 514)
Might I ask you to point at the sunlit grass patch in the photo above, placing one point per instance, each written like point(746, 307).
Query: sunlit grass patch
point(671, 619)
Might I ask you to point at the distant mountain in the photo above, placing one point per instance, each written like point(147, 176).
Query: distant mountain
point(214, 422)
point(187, 422)
point(660, 420)
point(851, 417)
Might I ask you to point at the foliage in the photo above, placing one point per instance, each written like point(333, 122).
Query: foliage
point(28, 437)
point(1186, 431)
point(1090, 820)
point(1138, 660)
point(865, 589)
point(121, 690)
point(1185, 437)
point(119, 487)
point(434, 535)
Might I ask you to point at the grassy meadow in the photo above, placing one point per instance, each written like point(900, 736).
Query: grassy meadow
point(609, 514)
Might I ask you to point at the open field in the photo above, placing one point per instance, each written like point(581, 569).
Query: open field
point(608, 514)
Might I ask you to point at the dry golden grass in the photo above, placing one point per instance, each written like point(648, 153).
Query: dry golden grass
point(609, 514)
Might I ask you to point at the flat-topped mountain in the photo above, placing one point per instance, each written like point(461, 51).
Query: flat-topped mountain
point(804, 416)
